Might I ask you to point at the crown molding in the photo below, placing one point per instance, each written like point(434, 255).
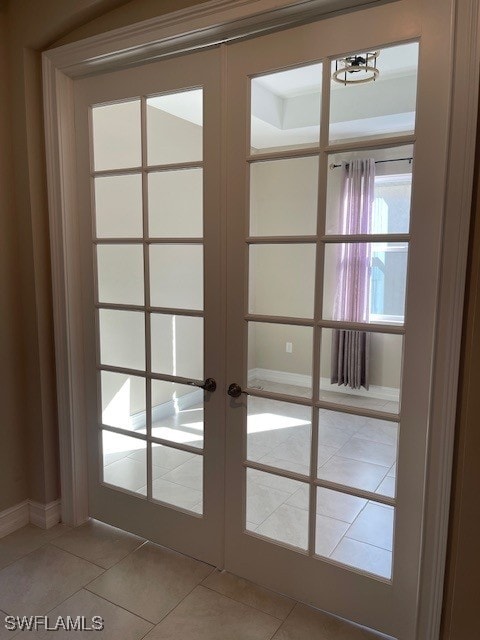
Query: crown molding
point(200, 26)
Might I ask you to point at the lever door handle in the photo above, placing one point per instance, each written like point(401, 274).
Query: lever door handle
point(209, 385)
point(235, 390)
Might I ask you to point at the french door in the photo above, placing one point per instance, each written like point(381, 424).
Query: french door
point(260, 241)
point(148, 145)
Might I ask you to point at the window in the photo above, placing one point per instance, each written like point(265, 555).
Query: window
point(391, 213)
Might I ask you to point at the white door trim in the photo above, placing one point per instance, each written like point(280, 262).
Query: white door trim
point(212, 22)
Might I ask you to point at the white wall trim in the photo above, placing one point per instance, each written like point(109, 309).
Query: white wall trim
point(202, 25)
point(44, 516)
point(458, 203)
point(167, 409)
point(302, 380)
point(210, 23)
point(282, 377)
point(374, 391)
point(14, 518)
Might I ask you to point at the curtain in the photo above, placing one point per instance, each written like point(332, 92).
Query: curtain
point(350, 349)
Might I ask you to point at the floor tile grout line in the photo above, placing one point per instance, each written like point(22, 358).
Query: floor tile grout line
point(95, 563)
point(273, 513)
point(271, 615)
point(118, 561)
point(349, 538)
point(130, 553)
point(115, 604)
point(180, 601)
point(44, 544)
point(376, 546)
point(272, 637)
point(276, 508)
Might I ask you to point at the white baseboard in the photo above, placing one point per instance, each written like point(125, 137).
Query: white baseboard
point(301, 380)
point(282, 377)
point(374, 391)
point(44, 516)
point(167, 409)
point(14, 518)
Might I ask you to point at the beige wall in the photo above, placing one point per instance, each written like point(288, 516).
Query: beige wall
point(13, 470)
point(29, 452)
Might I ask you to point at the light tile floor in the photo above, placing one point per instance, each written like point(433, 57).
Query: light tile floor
point(142, 590)
point(353, 450)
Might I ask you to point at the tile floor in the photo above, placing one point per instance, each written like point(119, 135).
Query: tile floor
point(142, 590)
point(356, 451)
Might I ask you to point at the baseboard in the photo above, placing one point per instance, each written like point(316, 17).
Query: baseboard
point(44, 516)
point(301, 380)
point(282, 377)
point(374, 391)
point(14, 518)
point(166, 409)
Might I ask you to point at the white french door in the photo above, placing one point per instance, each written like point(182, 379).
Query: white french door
point(148, 148)
point(330, 318)
point(251, 402)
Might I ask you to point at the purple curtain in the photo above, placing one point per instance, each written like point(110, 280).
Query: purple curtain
point(350, 349)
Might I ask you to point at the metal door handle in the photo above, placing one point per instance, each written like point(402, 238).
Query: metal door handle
point(235, 390)
point(209, 385)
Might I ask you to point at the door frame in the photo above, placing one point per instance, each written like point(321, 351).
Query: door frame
point(222, 21)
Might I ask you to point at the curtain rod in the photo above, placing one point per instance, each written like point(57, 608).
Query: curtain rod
point(334, 166)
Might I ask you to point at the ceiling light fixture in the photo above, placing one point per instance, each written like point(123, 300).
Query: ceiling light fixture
point(348, 70)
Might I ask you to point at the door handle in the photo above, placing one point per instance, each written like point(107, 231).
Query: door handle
point(209, 385)
point(235, 390)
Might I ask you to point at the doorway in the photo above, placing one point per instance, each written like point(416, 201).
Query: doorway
point(301, 468)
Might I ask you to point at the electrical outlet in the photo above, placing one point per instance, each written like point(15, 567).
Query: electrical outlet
point(289, 347)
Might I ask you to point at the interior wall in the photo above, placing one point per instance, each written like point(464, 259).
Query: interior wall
point(13, 473)
point(29, 455)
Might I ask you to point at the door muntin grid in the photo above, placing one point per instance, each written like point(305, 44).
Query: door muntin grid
point(315, 492)
point(150, 428)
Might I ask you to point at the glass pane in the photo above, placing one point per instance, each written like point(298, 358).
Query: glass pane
point(391, 184)
point(272, 510)
point(361, 369)
point(181, 483)
point(175, 204)
point(369, 110)
point(366, 543)
point(365, 282)
point(279, 434)
point(120, 469)
point(120, 273)
point(177, 413)
point(174, 127)
point(176, 276)
point(177, 345)
point(118, 206)
point(280, 358)
point(123, 401)
point(285, 109)
point(356, 451)
point(283, 197)
point(117, 136)
point(122, 338)
point(282, 279)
